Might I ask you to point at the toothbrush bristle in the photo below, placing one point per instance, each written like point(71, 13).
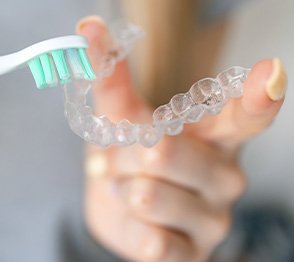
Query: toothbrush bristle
point(80, 64)
point(49, 70)
point(75, 63)
point(38, 73)
point(89, 72)
point(61, 66)
point(48, 75)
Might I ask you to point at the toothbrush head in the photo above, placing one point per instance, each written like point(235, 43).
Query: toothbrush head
point(53, 61)
point(60, 66)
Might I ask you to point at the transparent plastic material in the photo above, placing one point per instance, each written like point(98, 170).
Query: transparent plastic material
point(207, 96)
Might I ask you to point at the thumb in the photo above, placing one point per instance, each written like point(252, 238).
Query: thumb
point(115, 96)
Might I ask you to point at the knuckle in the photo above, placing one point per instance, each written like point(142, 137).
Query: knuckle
point(237, 184)
point(202, 255)
point(146, 193)
point(217, 222)
point(220, 228)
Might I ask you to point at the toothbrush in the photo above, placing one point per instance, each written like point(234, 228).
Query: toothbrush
point(52, 61)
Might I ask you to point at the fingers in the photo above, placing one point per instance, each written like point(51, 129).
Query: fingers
point(240, 120)
point(164, 204)
point(153, 243)
point(192, 165)
point(115, 95)
point(172, 224)
point(263, 97)
point(243, 118)
point(95, 30)
point(111, 223)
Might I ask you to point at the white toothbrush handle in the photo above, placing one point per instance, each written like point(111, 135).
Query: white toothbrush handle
point(15, 60)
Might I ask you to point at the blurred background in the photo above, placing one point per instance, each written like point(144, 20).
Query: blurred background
point(41, 160)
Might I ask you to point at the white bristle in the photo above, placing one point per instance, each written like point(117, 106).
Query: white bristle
point(74, 61)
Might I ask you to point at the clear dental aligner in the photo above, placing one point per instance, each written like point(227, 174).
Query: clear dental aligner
point(207, 96)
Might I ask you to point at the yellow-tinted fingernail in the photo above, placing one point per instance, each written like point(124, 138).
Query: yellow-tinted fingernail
point(277, 84)
point(96, 165)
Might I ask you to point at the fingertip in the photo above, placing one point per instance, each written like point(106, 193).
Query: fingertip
point(115, 89)
point(90, 21)
point(96, 31)
point(265, 87)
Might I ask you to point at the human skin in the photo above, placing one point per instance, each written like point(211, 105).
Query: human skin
point(172, 202)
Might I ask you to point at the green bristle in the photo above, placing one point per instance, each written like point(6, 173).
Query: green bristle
point(88, 70)
point(49, 71)
point(61, 66)
point(38, 73)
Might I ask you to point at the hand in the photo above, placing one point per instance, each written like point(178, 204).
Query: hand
point(172, 202)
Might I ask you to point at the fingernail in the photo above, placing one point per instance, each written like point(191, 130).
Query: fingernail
point(96, 165)
point(88, 20)
point(154, 248)
point(137, 199)
point(133, 193)
point(94, 28)
point(137, 196)
point(276, 86)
